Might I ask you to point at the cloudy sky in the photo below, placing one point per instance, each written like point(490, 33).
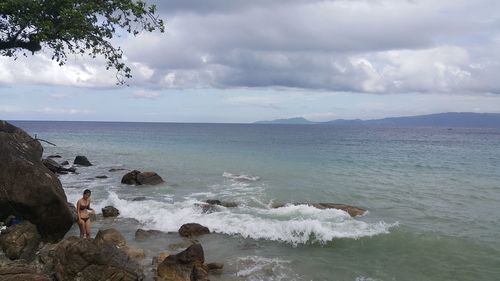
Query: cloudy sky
point(243, 61)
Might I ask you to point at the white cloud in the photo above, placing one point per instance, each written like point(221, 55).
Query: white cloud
point(71, 111)
point(144, 94)
point(9, 109)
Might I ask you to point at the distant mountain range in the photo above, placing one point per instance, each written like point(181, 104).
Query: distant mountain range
point(449, 119)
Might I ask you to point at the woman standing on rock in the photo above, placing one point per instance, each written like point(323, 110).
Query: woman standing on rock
point(84, 212)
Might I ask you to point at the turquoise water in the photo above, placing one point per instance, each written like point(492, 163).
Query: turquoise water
point(432, 195)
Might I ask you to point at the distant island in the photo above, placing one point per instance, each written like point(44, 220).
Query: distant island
point(449, 119)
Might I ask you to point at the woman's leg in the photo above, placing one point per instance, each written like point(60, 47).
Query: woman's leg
point(81, 225)
point(87, 228)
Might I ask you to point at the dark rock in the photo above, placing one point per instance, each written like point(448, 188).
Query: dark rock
point(20, 241)
point(101, 177)
point(207, 208)
point(215, 266)
point(185, 266)
point(110, 211)
point(117, 169)
point(82, 161)
point(28, 189)
point(141, 178)
point(139, 198)
point(130, 177)
point(110, 236)
point(351, 210)
point(21, 271)
point(74, 213)
point(213, 202)
point(141, 234)
point(54, 156)
point(159, 259)
point(193, 229)
point(64, 163)
point(226, 204)
point(88, 259)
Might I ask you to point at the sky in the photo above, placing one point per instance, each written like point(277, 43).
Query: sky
point(243, 61)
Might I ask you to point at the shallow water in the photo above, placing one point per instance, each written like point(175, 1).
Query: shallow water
point(432, 195)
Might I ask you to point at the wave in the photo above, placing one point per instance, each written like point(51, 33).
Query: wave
point(240, 177)
point(293, 224)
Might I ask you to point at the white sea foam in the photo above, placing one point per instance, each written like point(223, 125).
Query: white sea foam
point(240, 177)
point(293, 224)
point(253, 268)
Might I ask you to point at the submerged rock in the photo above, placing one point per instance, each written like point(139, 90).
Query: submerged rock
point(141, 178)
point(64, 163)
point(141, 234)
point(110, 211)
point(20, 241)
point(351, 210)
point(101, 177)
point(28, 189)
point(54, 156)
point(193, 229)
point(187, 265)
point(54, 167)
point(117, 169)
point(215, 266)
point(82, 161)
point(227, 204)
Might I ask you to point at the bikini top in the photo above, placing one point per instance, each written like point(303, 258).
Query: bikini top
point(83, 207)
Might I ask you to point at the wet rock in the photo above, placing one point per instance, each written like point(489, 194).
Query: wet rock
point(54, 167)
point(54, 156)
point(20, 241)
point(29, 190)
point(101, 177)
point(183, 245)
point(142, 235)
point(160, 258)
point(117, 169)
point(134, 252)
point(351, 210)
point(139, 198)
point(64, 163)
point(215, 266)
point(184, 266)
point(88, 259)
point(21, 271)
point(141, 178)
point(193, 229)
point(82, 161)
point(110, 211)
point(226, 204)
point(110, 236)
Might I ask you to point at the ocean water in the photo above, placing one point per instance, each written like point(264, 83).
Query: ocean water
point(432, 195)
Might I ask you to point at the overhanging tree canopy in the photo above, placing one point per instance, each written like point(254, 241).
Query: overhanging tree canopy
point(74, 27)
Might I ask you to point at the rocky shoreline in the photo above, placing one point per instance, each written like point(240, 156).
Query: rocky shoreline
point(37, 215)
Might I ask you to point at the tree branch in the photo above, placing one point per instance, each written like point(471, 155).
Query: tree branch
point(32, 46)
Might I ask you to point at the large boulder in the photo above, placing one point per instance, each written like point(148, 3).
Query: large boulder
point(21, 271)
point(193, 229)
point(27, 188)
point(82, 161)
point(351, 210)
point(20, 241)
point(85, 259)
point(141, 178)
point(110, 211)
point(185, 266)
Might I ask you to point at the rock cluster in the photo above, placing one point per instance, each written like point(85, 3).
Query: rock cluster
point(351, 210)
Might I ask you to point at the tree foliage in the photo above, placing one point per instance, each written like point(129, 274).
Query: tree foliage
point(74, 27)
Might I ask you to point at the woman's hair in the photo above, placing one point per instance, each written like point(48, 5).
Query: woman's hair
point(86, 191)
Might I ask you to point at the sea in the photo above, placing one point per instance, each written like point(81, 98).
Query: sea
point(432, 196)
